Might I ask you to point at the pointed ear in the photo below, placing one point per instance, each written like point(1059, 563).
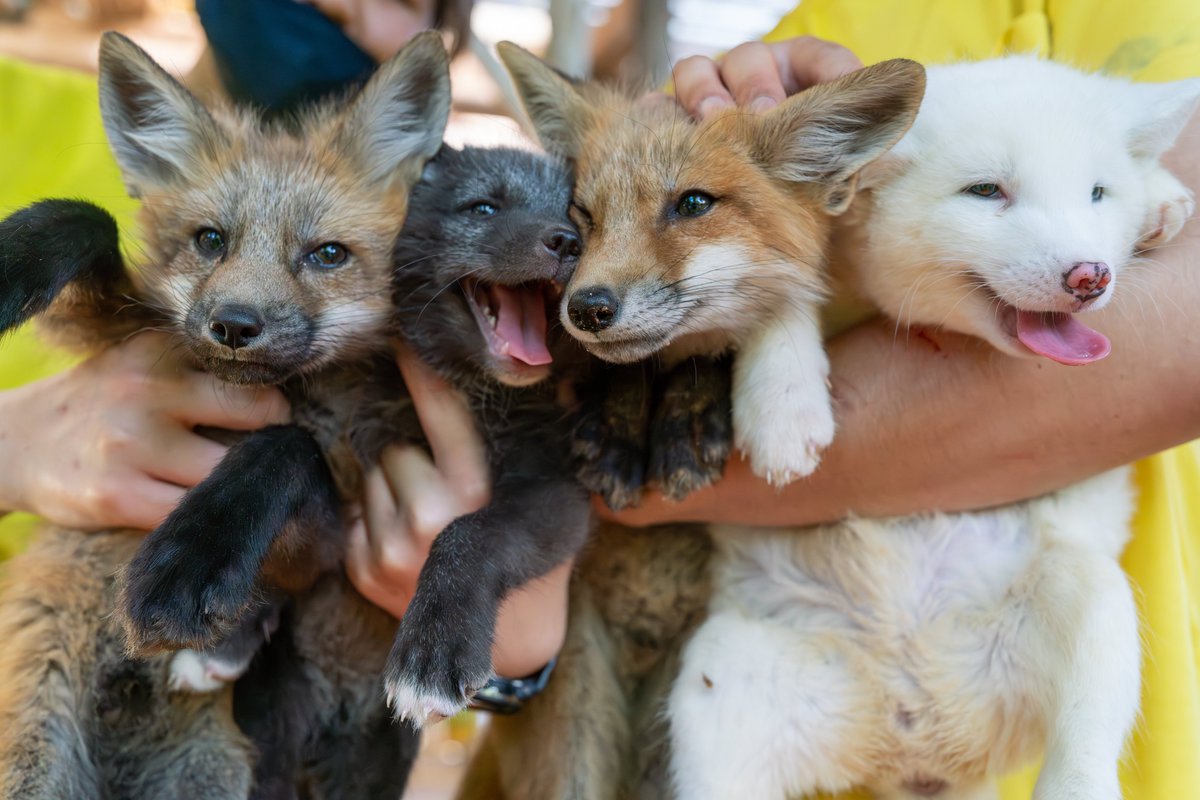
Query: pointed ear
point(1163, 109)
point(157, 130)
point(559, 113)
point(396, 121)
point(825, 135)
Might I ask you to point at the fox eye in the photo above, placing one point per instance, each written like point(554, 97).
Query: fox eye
point(210, 241)
point(483, 209)
point(985, 190)
point(694, 203)
point(1097, 193)
point(327, 256)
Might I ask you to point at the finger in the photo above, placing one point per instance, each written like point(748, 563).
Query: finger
point(360, 571)
point(698, 87)
point(396, 556)
point(425, 501)
point(807, 61)
point(458, 450)
point(181, 457)
point(751, 73)
point(141, 504)
point(204, 400)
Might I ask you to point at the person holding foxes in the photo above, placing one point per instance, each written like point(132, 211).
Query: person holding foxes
point(949, 428)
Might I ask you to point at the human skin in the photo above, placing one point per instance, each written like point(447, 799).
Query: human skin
point(936, 420)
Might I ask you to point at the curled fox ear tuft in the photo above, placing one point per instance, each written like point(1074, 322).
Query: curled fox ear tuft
point(825, 135)
point(396, 122)
point(156, 128)
point(559, 113)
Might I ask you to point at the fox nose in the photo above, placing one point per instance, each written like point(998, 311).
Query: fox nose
point(562, 243)
point(235, 326)
point(593, 309)
point(1087, 280)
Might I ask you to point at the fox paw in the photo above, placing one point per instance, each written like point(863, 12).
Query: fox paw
point(608, 463)
point(438, 663)
point(1168, 221)
point(174, 597)
point(787, 444)
point(692, 432)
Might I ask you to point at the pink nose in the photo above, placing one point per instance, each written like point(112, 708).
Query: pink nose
point(1087, 280)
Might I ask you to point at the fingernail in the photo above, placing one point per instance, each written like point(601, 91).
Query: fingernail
point(711, 105)
point(762, 104)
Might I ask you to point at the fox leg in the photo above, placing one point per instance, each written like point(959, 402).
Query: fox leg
point(63, 257)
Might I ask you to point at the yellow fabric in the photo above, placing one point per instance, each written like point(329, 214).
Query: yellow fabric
point(51, 145)
point(1155, 40)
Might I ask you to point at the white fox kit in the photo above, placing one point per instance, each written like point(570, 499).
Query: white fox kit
point(922, 656)
point(915, 657)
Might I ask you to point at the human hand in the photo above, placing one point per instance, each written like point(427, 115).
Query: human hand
point(111, 441)
point(409, 499)
point(759, 76)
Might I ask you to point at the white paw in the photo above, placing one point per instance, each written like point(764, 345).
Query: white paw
point(192, 671)
point(788, 443)
point(420, 706)
point(1167, 221)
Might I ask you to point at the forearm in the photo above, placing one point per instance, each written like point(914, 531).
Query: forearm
point(939, 421)
point(531, 625)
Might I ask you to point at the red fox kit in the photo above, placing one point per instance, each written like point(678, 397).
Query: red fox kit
point(704, 237)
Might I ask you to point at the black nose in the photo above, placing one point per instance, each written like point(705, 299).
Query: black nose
point(593, 309)
point(562, 242)
point(235, 326)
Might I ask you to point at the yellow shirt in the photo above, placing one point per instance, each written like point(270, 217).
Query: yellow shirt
point(51, 145)
point(1154, 40)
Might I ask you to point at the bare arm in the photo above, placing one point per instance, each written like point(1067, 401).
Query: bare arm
point(940, 421)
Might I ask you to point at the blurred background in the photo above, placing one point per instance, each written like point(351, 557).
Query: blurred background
point(634, 41)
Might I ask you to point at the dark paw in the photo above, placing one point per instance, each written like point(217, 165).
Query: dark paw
point(692, 432)
point(178, 593)
point(608, 464)
point(441, 658)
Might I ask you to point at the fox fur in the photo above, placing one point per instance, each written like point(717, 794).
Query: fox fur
point(920, 656)
point(678, 278)
point(255, 548)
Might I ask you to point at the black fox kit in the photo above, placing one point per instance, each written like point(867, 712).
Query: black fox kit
point(276, 259)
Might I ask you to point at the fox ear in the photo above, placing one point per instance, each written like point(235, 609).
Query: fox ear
point(825, 135)
point(558, 111)
point(156, 128)
point(1163, 110)
point(396, 122)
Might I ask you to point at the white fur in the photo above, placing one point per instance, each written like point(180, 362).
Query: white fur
point(936, 651)
point(1046, 134)
point(194, 671)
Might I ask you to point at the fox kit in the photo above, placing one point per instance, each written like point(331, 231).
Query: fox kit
point(925, 655)
point(271, 260)
point(702, 238)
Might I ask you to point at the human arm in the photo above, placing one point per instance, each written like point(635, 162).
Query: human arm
point(938, 421)
point(110, 442)
point(409, 498)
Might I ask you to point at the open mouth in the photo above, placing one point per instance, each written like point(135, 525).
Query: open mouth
point(1056, 335)
point(512, 320)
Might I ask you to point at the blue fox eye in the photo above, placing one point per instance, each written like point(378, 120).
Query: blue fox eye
point(985, 190)
point(483, 209)
point(1097, 193)
point(328, 255)
point(694, 203)
point(210, 241)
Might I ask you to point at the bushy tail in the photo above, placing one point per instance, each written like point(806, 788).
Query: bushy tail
point(45, 246)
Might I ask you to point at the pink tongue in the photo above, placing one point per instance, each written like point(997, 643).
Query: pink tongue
point(521, 323)
point(1061, 337)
